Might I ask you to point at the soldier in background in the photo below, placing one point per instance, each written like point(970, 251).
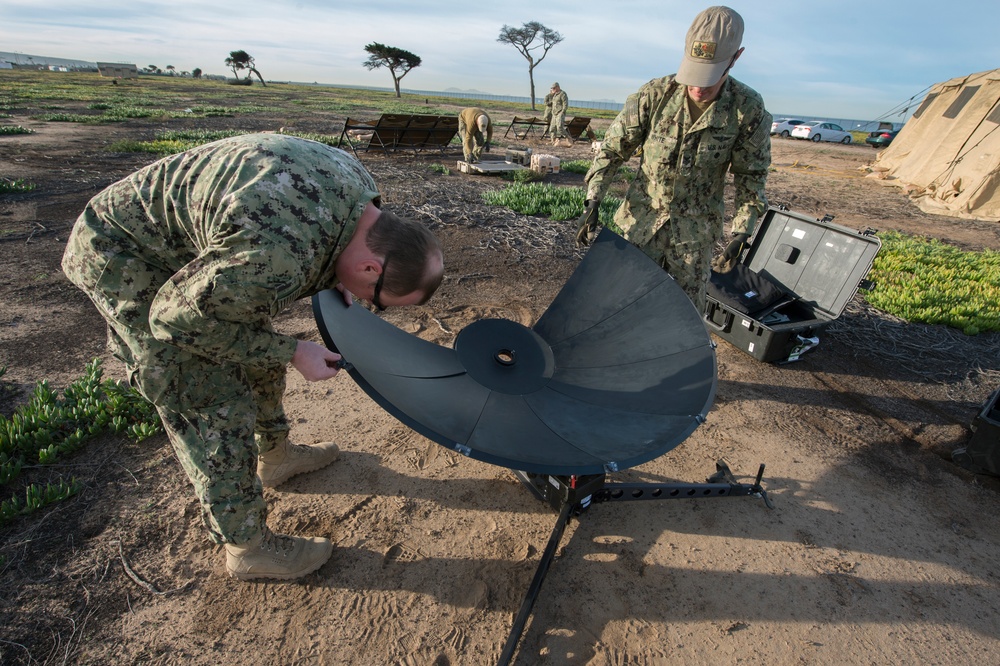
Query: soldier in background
point(547, 114)
point(691, 127)
point(189, 259)
point(476, 130)
point(557, 121)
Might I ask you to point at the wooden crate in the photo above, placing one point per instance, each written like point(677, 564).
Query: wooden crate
point(518, 156)
point(545, 163)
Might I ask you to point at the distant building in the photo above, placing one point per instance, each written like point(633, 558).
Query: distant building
point(117, 70)
point(5, 65)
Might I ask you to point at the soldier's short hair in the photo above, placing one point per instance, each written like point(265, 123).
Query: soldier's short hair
point(407, 245)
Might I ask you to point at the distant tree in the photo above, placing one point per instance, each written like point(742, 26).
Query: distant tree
point(242, 60)
point(527, 39)
point(397, 60)
point(152, 69)
point(196, 72)
point(171, 69)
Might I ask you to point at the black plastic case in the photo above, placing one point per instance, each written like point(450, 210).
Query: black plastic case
point(982, 453)
point(820, 265)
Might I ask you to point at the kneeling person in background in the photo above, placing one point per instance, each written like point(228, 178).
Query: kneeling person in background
point(476, 130)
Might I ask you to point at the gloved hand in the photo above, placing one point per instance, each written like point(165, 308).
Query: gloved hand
point(735, 247)
point(588, 223)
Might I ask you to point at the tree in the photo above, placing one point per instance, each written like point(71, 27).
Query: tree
point(526, 39)
point(171, 69)
point(242, 60)
point(196, 72)
point(395, 59)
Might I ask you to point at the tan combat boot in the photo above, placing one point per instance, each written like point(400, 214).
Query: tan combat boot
point(286, 460)
point(277, 556)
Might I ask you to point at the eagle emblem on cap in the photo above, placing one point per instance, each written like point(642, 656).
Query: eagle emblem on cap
point(704, 50)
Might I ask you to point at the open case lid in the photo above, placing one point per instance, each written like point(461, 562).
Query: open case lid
point(820, 262)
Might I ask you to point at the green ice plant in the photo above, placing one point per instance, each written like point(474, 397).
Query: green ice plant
point(556, 203)
point(52, 425)
point(36, 497)
point(928, 281)
point(14, 186)
point(15, 129)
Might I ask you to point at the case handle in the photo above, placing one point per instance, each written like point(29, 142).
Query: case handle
point(723, 327)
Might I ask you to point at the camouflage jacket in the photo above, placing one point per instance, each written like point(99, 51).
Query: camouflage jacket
point(468, 118)
point(682, 172)
point(560, 102)
point(245, 226)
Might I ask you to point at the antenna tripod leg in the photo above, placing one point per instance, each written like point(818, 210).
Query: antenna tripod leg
point(536, 585)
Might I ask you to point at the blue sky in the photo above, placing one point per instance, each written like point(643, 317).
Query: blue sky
point(847, 59)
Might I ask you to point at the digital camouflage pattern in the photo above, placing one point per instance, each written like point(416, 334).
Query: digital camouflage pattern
point(674, 209)
point(557, 121)
point(473, 141)
point(188, 260)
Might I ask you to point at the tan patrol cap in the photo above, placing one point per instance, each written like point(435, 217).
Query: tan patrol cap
point(712, 40)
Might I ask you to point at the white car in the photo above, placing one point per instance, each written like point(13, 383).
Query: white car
point(821, 131)
point(784, 126)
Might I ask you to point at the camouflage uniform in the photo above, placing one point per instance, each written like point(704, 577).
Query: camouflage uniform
point(473, 140)
point(547, 114)
point(557, 124)
point(673, 210)
point(189, 259)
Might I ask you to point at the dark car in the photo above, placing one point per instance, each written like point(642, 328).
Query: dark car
point(881, 138)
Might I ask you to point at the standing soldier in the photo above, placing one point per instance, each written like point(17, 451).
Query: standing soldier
point(547, 114)
point(691, 127)
point(557, 120)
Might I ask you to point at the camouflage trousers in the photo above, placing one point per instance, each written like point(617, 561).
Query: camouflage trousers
point(689, 264)
point(218, 416)
point(472, 149)
point(557, 126)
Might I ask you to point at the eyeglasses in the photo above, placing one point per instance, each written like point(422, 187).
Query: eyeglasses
point(377, 297)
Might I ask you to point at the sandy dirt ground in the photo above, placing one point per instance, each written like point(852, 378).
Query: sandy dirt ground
point(879, 549)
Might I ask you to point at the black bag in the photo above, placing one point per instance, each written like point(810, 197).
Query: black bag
point(745, 291)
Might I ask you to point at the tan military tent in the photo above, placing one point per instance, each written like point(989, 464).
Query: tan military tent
point(947, 156)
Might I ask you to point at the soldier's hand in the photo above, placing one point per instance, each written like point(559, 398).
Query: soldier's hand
point(348, 296)
point(486, 148)
point(314, 361)
point(735, 247)
point(588, 223)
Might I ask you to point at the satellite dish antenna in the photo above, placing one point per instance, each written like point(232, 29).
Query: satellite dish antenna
point(618, 371)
